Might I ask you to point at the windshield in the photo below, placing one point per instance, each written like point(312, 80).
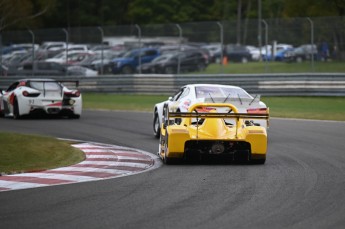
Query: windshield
point(45, 85)
point(163, 58)
point(130, 54)
point(220, 92)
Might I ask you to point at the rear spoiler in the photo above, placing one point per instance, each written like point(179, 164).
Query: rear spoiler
point(238, 99)
point(59, 81)
point(70, 81)
point(216, 115)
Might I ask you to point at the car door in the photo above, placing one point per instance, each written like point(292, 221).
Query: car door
point(148, 55)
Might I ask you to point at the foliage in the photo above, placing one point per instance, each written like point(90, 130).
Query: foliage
point(22, 13)
point(76, 13)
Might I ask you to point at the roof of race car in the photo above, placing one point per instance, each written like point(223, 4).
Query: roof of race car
point(210, 85)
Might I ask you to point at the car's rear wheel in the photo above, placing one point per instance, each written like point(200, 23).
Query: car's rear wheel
point(16, 114)
point(74, 116)
point(127, 70)
point(166, 159)
point(258, 161)
point(201, 67)
point(169, 70)
point(244, 60)
point(156, 125)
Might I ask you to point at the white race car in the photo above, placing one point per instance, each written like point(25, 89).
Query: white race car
point(210, 93)
point(30, 96)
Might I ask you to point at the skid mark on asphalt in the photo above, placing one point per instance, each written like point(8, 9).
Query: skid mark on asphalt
point(102, 162)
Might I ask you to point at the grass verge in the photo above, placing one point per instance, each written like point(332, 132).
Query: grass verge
point(24, 153)
point(274, 67)
point(324, 108)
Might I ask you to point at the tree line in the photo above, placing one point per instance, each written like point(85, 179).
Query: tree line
point(35, 14)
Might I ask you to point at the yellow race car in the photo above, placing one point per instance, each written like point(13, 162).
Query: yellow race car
point(212, 130)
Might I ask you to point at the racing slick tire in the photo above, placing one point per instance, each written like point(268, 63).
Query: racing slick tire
point(16, 114)
point(258, 161)
point(74, 116)
point(156, 125)
point(167, 160)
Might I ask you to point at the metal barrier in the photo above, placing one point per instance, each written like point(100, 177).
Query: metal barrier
point(307, 84)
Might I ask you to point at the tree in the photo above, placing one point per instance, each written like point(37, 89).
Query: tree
point(21, 13)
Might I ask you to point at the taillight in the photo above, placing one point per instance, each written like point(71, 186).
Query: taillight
point(204, 109)
point(72, 93)
point(27, 94)
point(257, 111)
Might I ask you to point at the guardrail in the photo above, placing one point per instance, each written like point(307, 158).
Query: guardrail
point(301, 84)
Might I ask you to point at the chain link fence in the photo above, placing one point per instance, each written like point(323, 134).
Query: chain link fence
point(327, 33)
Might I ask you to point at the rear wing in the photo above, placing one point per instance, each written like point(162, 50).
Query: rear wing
point(211, 112)
point(61, 82)
point(235, 100)
point(217, 115)
point(70, 82)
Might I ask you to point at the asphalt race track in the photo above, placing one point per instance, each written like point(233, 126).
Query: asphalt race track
point(302, 184)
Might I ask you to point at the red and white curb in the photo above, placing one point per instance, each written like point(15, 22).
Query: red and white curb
point(102, 162)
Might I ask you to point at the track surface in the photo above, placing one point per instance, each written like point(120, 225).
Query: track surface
point(302, 184)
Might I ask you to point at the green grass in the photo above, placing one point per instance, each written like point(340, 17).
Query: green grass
point(20, 153)
point(274, 67)
point(325, 108)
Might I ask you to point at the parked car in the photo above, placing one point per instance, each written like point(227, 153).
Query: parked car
point(211, 93)
point(72, 57)
point(50, 49)
point(280, 50)
point(302, 53)
point(3, 70)
point(215, 52)
point(75, 70)
point(254, 51)
point(128, 63)
point(42, 68)
point(237, 53)
point(102, 64)
point(190, 60)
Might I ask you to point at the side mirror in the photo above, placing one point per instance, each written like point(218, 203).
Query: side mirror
point(170, 98)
